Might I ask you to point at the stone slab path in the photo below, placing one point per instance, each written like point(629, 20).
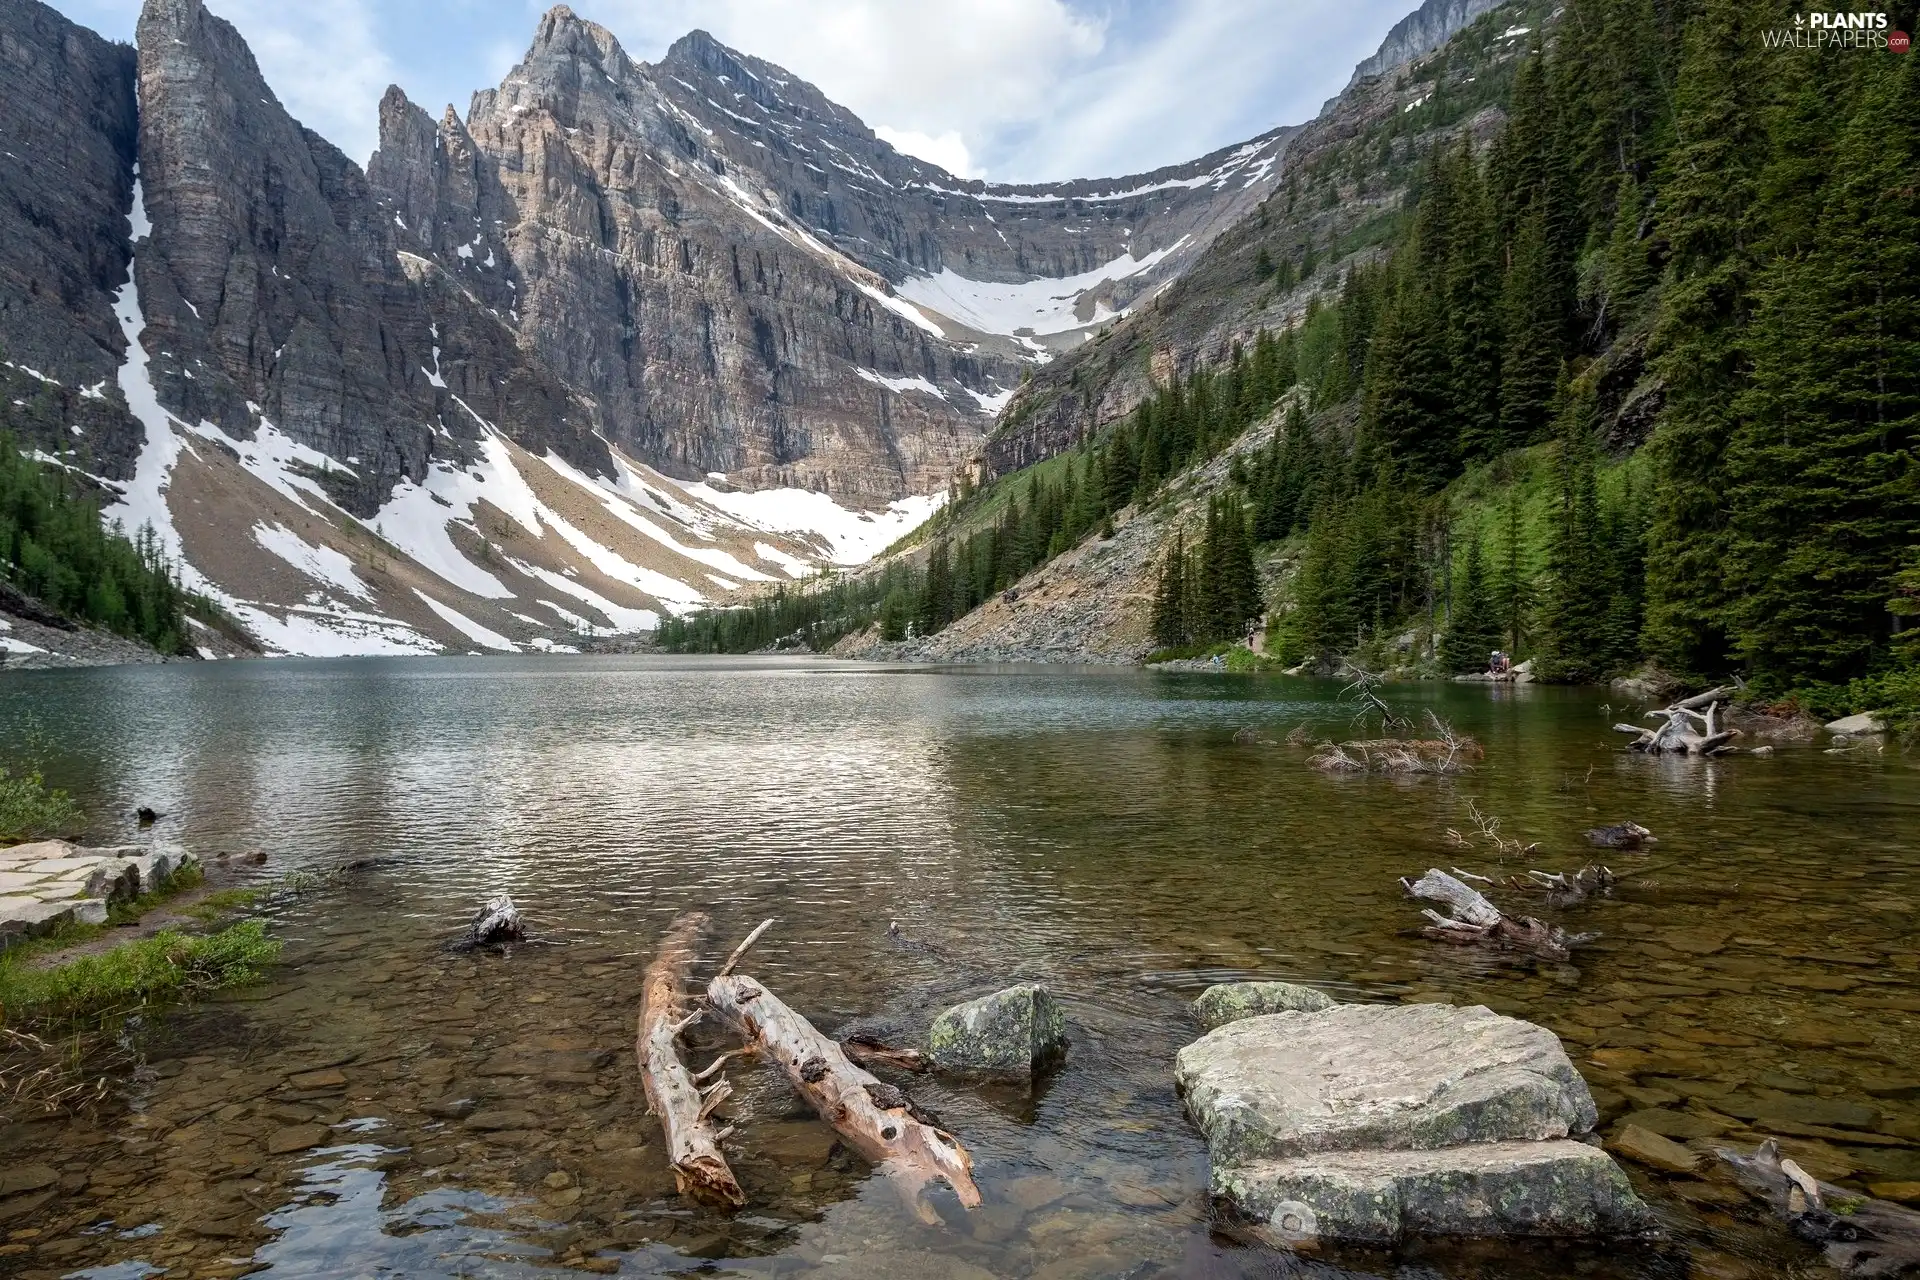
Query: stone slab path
point(51, 882)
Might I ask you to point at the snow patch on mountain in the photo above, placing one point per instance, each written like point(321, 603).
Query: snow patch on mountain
point(1046, 305)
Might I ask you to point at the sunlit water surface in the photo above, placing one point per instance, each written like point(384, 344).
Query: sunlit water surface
point(1101, 832)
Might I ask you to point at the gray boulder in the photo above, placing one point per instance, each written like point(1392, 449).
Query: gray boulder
point(1370, 1122)
point(1231, 1001)
point(1010, 1031)
point(1392, 1077)
point(1865, 722)
point(1561, 1188)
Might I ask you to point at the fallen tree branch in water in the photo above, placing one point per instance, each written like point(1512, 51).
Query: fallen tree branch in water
point(693, 1146)
point(1862, 1236)
point(1475, 921)
point(874, 1117)
point(1676, 736)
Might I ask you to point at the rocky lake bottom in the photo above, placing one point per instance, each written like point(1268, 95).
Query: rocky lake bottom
point(385, 1106)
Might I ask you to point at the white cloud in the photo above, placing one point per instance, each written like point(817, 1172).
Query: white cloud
point(323, 59)
point(934, 70)
point(949, 150)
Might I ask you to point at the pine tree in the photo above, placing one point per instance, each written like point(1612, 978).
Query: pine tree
point(1473, 321)
point(1512, 591)
point(1574, 642)
point(1170, 596)
point(1473, 633)
point(1826, 500)
point(1698, 345)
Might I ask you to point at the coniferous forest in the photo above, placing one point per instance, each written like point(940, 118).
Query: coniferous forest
point(1675, 291)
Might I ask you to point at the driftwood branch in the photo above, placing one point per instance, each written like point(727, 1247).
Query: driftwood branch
point(1862, 1236)
point(873, 1117)
point(1688, 727)
point(1475, 921)
point(693, 1147)
point(741, 950)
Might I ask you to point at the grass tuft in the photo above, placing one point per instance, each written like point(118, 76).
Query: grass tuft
point(29, 811)
point(169, 966)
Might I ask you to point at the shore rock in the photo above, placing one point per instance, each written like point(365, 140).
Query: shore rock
point(1369, 1122)
point(1555, 1189)
point(1014, 1031)
point(1393, 1077)
point(1232, 1001)
point(1865, 722)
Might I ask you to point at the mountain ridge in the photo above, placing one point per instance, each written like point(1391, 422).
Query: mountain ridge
point(697, 293)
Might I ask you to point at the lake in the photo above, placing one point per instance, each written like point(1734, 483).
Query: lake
point(1101, 831)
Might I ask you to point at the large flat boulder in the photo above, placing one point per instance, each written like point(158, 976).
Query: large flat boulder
point(1553, 1189)
point(1378, 1077)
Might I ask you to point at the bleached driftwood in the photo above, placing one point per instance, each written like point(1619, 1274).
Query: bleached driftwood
point(1475, 921)
point(1564, 890)
point(875, 1118)
point(1863, 1236)
point(693, 1145)
point(1676, 733)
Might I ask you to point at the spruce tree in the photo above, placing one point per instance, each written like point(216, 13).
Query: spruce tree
point(1826, 503)
point(1698, 344)
point(1473, 633)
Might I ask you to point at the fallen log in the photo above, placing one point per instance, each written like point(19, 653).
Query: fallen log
point(693, 1146)
point(1862, 1236)
point(875, 1118)
point(1475, 921)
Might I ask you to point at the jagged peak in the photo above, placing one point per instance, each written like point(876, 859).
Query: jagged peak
point(564, 33)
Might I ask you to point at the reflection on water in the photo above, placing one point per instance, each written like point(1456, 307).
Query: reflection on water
point(387, 1107)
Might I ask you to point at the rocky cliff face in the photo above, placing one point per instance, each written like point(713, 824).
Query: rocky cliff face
point(67, 137)
point(273, 288)
point(744, 279)
point(1421, 32)
point(1346, 172)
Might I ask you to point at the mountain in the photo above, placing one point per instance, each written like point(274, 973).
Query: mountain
point(626, 338)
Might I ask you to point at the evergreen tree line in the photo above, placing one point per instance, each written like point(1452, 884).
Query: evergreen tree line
point(813, 616)
point(1745, 216)
point(54, 547)
point(1211, 593)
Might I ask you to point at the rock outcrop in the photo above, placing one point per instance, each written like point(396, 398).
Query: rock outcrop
point(67, 140)
point(52, 883)
point(273, 288)
point(1372, 1122)
point(744, 279)
point(1422, 31)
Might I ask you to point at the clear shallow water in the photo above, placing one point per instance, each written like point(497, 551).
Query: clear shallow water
point(1099, 831)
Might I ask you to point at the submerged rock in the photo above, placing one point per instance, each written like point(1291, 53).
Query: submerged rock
point(1231, 1001)
point(1367, 1122)
point(1015, 1031)
point(1559, 1188)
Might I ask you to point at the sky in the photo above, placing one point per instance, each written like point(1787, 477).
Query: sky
point(1009, 90)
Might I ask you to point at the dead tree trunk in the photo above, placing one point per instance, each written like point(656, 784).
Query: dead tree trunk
point(693, 1147)
point(1676, 733)
point(1861, 1236)
point(1477, 922)
point(875, 1118)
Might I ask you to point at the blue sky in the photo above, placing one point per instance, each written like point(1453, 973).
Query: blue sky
point(1013, 90)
